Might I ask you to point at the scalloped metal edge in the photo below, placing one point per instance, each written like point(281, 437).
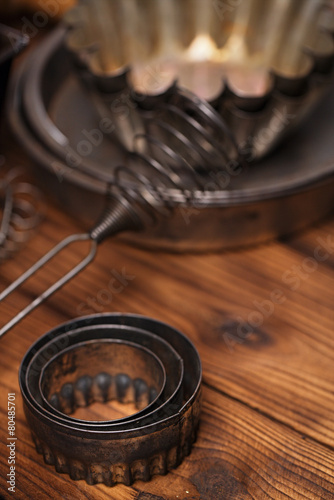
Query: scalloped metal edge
point(111, 474)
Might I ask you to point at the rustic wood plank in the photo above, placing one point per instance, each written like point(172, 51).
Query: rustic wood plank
point(238, 455)
point(283, 367)
point(267, 424)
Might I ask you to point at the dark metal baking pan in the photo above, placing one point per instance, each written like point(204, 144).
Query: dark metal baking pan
point(11, 43)
point(285, 192)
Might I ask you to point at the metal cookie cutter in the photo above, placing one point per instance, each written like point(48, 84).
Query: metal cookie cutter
point(112, 356)
point(262, 64)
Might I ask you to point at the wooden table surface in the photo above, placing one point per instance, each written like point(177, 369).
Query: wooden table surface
point(267, 424)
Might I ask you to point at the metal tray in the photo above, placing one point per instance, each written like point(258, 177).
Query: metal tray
point(11, 43)
point(288, 190)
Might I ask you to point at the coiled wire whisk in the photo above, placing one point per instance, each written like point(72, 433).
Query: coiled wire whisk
point(184, 145)
point(19, 212)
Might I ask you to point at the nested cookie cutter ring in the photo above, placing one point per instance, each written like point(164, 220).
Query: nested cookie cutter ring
point(118, 369)
point(53, 382)
point(59, 403)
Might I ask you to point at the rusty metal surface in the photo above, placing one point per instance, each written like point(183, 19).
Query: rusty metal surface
point(104, 357)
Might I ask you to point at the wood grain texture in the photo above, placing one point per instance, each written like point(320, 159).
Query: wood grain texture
point(263, 322)
point(267, 423)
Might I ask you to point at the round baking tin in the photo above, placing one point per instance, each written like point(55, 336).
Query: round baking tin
point(285, 192)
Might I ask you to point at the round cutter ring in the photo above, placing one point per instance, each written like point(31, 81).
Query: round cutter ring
point(113, 356)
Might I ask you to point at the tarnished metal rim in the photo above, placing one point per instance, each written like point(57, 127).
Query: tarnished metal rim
point(97, 453)
point(171, 361)
point(51, 402)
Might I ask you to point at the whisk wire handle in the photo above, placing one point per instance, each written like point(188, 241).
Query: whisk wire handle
point(57, 285)
point(118, 216)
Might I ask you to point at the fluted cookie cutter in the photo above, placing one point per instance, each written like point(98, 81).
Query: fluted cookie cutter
point(56, 378)
point(263, 64)
point(182, 131)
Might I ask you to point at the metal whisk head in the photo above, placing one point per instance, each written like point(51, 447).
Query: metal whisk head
point(164, 161)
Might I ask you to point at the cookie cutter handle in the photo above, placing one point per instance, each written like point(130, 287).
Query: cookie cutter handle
point(57, 285)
